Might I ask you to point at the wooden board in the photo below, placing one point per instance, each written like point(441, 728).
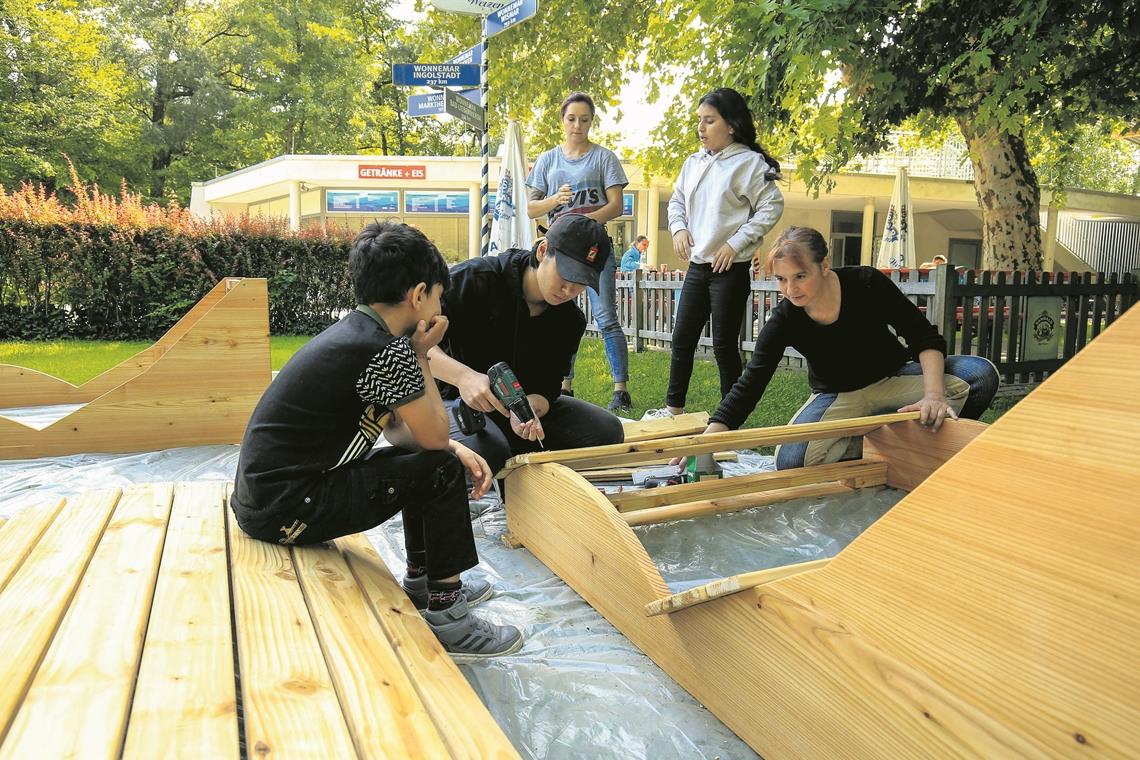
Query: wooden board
point(200, 388)
point(912, 452)
point(991, 613)
point(20, 536)
point(369, 680)
point(38, 594)
point(630, 453)
point(461, 719)
point(666, 427)
point(724, 505)
point(626, 473)
point(94, 655)
point(733, 584)
point(288, 700)
point(647, 498)
point(185, 702)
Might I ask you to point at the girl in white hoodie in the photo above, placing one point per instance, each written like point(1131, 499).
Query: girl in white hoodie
point(724, 202)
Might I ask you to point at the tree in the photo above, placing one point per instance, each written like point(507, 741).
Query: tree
point(833, 77)
point(60, 95)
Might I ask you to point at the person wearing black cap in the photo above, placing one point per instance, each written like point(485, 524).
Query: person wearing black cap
point(518, 307)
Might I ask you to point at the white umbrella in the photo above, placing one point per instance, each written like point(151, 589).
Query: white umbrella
point(511, 227)
point(897, 249)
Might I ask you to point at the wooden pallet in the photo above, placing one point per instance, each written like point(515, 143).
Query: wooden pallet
point(129, 614)
point(991, 613)
point(196, 385)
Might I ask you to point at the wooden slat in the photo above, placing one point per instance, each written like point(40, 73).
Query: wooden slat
point(719, 506)
point(468, 730)
point(666, 427)
point(384, 713)
point(626, 473)
point(627, 453)
point(747, 484)
point(39, 593)
point(20, 535)
point(94, 656)
point(727, 586)
point(289, 703)
point(185, 704)
point(1015, 327)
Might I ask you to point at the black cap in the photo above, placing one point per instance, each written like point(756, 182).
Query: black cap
point(581, 248)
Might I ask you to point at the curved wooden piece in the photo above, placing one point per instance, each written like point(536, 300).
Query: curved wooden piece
point(991, 613)
point(200, 389)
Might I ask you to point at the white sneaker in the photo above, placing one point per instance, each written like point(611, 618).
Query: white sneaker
point(657, 414)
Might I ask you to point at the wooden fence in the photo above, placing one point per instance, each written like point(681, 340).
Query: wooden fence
point(1011, 318)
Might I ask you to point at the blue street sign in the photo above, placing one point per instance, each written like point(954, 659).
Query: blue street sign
point(472, 95)
point(510, 14)
point(426, 105)
point(472, 55)
point(435, 74)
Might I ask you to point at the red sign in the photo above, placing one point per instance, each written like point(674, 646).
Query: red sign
point(387, 171)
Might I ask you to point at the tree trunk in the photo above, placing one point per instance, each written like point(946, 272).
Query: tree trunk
point(1009, 196)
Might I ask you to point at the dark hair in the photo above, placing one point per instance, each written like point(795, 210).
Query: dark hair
point(388, 259)
point(732, 107)
point(639, 239)
point(576, 97)
point(797, 244)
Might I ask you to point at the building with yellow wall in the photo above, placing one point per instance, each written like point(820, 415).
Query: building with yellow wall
point(442, 197)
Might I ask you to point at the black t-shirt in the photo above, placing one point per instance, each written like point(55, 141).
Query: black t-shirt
point(877, 332)
point(324, 409)
point(490, 323)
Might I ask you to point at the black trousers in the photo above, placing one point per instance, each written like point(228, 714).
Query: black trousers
point(429, 487)
point(723, 295)
point(571, 423)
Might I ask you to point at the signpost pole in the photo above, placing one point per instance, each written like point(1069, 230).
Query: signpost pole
point(485, 144)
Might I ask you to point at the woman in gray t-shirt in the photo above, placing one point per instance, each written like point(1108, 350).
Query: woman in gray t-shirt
point(583, 178)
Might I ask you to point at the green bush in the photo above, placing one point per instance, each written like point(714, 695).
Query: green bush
point(74, 280)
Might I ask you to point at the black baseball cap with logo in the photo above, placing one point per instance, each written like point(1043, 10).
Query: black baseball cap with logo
point(581, 248)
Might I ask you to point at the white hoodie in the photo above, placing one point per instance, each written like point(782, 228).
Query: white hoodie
point(724, 198)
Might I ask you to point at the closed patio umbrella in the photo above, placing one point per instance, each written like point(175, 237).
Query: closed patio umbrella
point(511, 227)
point(897, 248)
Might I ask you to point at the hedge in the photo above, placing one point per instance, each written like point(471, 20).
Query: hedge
point(74, 280)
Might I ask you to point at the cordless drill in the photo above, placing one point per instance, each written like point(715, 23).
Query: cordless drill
point(510, 393)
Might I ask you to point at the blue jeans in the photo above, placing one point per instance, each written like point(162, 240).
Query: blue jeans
point(970, 382)
point(603, 305)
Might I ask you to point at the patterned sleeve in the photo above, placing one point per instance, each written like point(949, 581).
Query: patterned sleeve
point(393, 376)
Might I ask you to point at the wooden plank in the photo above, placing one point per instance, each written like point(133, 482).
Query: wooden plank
point(20, 535)
point(289, 704)
point(693, 509)
point(381, 707)
point(998, 324)
point(1072, 315)
point(38, 595)
point(913, 452)
point(201, 390)
point(629, 453)
point(185, 704)
point(626, 473)
point(726, 586)
point(746, 484)
point(983, 328)
point(462, 720)
point(967, 304)
point(94, 656)
point(990, 613)
point(666, 427)
point(1015, 327)
point(1098, 306)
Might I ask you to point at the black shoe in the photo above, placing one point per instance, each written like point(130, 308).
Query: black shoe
point(566, 392)
point(620, 402)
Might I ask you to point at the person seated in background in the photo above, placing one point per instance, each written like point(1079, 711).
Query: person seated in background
point(519, 307)
point(869, 350)
point(631, 259)
point(307, 471)
point(937, 261)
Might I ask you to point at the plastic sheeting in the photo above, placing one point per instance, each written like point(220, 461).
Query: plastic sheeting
point(578, 688)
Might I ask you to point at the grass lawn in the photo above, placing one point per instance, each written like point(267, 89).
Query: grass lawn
point(77, 361)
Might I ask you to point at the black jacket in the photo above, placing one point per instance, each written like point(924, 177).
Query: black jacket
point(490, 323)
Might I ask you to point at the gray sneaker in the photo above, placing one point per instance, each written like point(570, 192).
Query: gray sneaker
point(468, 638)
point(476, 590)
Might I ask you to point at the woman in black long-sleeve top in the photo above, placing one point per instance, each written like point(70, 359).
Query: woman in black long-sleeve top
point(869, 350)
